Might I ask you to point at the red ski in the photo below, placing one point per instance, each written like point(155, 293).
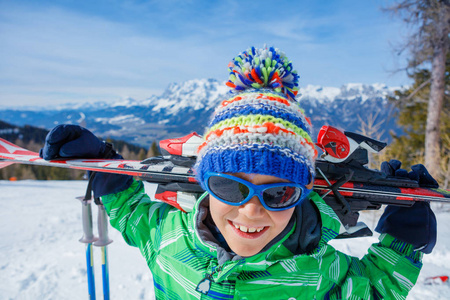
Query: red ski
point(341, 177)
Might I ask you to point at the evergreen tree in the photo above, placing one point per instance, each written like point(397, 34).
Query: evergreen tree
point(153, 150)
point(126, 153)
point(142, 155)
point(27, 173)
point(428, 45)
point(412, 106)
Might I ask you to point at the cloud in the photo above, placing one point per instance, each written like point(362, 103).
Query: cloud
point(55, 49)
point(125, 48)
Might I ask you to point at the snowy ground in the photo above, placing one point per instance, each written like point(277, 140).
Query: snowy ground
point(41, 258)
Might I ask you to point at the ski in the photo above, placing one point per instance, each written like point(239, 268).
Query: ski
point(341, 176)
point(163, 171)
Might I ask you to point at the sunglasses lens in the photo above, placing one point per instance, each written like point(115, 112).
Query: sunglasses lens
point(283, 196)
point(228, 189)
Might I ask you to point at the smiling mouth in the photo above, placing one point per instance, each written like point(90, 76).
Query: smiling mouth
point(249, 232)
point(248, 229)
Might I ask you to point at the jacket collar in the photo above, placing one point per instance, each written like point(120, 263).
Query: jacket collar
point(315, 224)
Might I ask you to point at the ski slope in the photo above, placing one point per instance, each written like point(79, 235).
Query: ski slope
point(41, 258)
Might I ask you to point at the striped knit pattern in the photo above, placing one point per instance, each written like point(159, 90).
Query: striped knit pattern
point(261, 128)
point(261, 132)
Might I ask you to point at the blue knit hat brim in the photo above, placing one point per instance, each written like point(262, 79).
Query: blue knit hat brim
point(255, 160)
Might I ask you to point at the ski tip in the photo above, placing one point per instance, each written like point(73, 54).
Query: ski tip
point(183, 146)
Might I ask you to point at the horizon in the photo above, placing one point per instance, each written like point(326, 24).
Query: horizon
point(59, 52)
point(317, 92)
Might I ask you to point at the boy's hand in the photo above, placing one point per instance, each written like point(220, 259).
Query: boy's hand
point(415, 225)
point(419, 173)
point(75, 141)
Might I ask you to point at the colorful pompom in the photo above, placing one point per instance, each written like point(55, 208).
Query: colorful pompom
point(259, 68)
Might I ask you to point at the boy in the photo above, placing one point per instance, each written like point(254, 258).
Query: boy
point(258, 232)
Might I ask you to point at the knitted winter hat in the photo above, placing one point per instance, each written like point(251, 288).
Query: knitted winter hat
point(260, 128)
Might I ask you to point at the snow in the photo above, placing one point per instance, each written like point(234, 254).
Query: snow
point(41, 258)
point(319, 93)
point(196, 94)
point(123, 119)
point(82, 117)
point(127, 102)
point(349, 91)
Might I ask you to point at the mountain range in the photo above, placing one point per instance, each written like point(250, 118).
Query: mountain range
point(186, 107)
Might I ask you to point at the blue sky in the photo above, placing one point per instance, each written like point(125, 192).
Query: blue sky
point(62, 51)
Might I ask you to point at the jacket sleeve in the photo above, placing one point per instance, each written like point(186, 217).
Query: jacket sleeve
point(137, 217)
point(388, 271)
point(393, 267)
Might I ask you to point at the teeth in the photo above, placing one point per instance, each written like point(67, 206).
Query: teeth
point(247, 229)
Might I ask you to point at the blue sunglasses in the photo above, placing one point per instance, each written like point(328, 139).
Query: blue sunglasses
point(236, 191)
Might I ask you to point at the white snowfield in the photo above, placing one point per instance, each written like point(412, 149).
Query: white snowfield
point(41, 258)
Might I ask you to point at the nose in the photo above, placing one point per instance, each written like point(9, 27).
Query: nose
point(253, 208)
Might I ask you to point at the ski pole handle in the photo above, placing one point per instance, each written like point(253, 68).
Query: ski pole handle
point(86, 219)
point(102, 223)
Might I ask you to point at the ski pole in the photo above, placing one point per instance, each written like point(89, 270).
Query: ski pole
point(88, 238)
point(102, 242)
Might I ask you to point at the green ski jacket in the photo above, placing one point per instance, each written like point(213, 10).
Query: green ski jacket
point(187, 262)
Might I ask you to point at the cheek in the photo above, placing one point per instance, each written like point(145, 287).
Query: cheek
point(218, 210)
point(281, 218)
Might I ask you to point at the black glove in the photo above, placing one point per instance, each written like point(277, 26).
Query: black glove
point(414, 225)
point(419, 173)
point(73, 141)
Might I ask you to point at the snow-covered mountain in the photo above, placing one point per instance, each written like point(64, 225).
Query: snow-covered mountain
point(186, 107)
point(350, 91)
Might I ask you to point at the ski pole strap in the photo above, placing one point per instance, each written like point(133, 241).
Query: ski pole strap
point(97, 201)
point(88, 195)
point(109, 151)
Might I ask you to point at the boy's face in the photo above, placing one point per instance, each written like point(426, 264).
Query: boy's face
point(249, 227)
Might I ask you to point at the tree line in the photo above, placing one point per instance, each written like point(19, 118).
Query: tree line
point(411, 116)
point(32, 138)
point(424, 106)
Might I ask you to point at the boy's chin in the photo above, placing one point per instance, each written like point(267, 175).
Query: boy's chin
point(246, 251)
